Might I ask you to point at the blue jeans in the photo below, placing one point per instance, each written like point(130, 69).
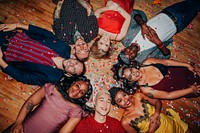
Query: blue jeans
point(183, 12)
point(134, 27)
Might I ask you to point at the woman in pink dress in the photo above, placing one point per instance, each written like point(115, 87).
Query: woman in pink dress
point(59, 107)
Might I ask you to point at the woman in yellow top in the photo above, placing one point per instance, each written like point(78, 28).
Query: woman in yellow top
point(143, 114)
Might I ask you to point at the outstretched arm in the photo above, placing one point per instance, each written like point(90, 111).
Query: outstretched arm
point(150, 92)
point(70, 125)
point(169, 62)
point(32, 101)
point(10, 27)
point(31, 28)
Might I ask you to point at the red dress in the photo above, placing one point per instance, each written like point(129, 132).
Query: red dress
point(112, 21)
point(89, 125)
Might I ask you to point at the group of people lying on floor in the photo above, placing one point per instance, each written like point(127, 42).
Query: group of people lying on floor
point(39, 57)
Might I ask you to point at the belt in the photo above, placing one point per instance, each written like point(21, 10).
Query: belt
point(174, 19)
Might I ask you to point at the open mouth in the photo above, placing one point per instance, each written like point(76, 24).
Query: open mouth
point(103, 108)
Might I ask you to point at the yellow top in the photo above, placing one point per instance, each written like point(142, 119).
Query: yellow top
point(169, 123)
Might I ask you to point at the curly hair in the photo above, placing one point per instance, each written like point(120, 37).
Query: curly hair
point(113, 92)
point(118, 70)
point(98, 53)
point(66, 82)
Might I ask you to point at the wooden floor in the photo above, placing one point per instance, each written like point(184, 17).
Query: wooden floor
point(186, 47)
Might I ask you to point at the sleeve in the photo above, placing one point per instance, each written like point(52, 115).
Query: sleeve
point(76, 113)
point(33, 77)
point(39, 31)
point(48, 88)
point(25, 77)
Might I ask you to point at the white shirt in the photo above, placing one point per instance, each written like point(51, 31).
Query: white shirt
point(164, 27)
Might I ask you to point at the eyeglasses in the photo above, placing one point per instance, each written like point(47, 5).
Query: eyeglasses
point(130, 75)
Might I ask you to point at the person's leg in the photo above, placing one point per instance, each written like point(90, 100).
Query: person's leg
point(183, 12)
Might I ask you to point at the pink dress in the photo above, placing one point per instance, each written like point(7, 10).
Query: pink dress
point(51, 114)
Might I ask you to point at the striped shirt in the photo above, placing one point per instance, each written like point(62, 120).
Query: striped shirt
point(24, 48)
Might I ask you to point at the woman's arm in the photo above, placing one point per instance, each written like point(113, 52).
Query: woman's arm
point(31, 28)
point(150, 92)
point(10, 27)
point(3, 64)
point(155, 117)
point(99, 11)
point(57, 10)
point(70, 125)
point(125, 25)
point(168, 62)
point(87, 6)
point(32, 101)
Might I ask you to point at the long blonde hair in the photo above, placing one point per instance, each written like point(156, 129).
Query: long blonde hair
point(98, 53)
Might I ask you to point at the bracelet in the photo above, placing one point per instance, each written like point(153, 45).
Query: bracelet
point(161, 46)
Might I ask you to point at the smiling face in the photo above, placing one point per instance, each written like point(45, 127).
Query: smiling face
point(104, 43)
point(132, 74)
point(78, 89)
point(73, 66)
point(102, 103)
point(123, 100)
point(131, 51)
point(82, 49)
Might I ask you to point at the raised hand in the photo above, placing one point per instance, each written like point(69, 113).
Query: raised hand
point(151, 35)
point(145, 30)
point(8, 27)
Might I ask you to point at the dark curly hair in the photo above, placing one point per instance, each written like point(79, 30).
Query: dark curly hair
point(113, 92)
point(118, 70)
point(66, 82)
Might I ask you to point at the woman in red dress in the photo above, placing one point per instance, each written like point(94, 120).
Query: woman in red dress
point(113, 20)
